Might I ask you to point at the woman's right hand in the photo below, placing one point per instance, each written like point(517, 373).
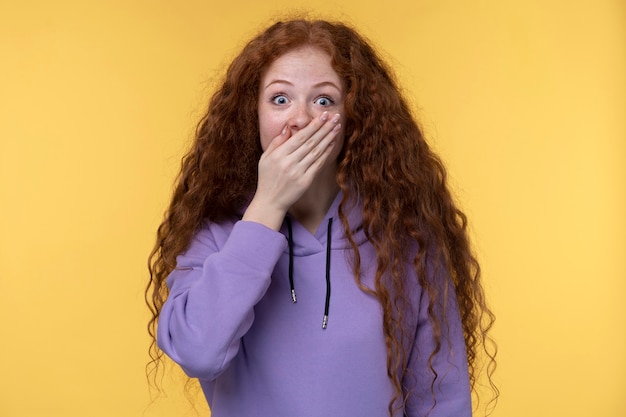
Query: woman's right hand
point(289, 166)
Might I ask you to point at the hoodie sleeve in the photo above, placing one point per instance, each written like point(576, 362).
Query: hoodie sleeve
point(213, 291)
point(450, 396)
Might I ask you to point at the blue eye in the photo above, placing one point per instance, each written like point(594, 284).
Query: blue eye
point(324, 101)
point(279, 99)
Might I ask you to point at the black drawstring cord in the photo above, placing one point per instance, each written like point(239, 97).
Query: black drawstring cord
point(328, 248)
point(290, 242)
point(328, 239)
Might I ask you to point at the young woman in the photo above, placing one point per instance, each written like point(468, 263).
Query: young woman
point(312, 261)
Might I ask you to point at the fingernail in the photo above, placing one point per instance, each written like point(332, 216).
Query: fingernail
point(324, 116)
point(336, 128)
point(284, 131)
point(336, 118)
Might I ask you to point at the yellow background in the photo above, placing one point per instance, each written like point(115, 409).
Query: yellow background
point(524, 99)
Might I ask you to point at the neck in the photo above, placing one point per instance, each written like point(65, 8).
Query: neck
point(311, 208)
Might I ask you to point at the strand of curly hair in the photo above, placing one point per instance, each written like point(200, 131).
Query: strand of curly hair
point(386, 163)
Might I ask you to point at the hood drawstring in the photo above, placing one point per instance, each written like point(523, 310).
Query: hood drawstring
point(291, 284)
point(290, 243)
point(328, 239)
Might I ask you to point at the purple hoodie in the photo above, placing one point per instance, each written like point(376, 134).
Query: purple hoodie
point(230, 321)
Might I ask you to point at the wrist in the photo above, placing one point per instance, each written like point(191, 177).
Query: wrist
point(264, 214)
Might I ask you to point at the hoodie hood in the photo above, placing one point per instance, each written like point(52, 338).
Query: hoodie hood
point(305, 243)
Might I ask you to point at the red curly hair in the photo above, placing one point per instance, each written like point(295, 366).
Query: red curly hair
point(385, 161)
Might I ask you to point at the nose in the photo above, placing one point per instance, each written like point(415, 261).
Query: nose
point(300, 117)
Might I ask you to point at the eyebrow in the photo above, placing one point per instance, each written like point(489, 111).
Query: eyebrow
point(321, 84)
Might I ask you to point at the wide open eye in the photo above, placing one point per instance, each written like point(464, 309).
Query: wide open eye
point(324, 101)
point(279, 99)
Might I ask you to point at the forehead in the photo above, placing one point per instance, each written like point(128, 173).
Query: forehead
point(306, 64)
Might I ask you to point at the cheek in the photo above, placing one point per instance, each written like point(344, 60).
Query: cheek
point(265, 141)
point(269, 128)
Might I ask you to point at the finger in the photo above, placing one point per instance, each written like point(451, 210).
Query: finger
point(303, 147)
point(303, 135)
point(316, 164)
point(321, 148)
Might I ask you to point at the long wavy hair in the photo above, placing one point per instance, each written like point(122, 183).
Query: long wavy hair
point(385, 162)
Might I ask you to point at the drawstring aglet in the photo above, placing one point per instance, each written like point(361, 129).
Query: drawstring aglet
point(293, 296)
point(325, 321)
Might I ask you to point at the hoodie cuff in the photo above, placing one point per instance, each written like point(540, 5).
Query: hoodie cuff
point(255, 245)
